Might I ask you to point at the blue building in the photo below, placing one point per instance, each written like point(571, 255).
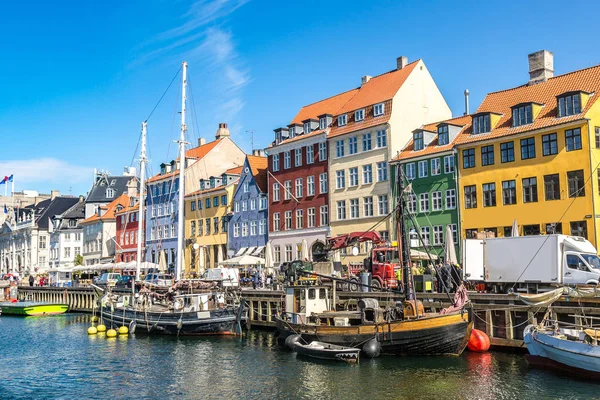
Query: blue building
point(248, 230)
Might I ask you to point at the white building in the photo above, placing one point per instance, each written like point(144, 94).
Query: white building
point(25, 238)
point(66, 236)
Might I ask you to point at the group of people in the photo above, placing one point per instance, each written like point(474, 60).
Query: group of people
point(446, 277)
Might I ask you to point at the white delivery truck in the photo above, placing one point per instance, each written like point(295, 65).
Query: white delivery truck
point(531, 262)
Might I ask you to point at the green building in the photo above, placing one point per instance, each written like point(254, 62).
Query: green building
point(429, 173)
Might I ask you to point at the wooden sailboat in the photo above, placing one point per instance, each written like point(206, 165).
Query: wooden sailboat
point(405, 329)
point(213, 312)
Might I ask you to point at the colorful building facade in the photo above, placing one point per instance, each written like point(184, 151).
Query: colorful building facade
point(531, 155)
point(128, 220)
point(202, 162)
point(248, 232)
point(428, 170)
point(207, 214)
point(372, 127)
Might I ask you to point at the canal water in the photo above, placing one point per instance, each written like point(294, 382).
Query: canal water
point(53, 357)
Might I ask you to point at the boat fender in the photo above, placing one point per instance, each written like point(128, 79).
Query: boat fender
point(95, 318)
point(101, 328)
point(291, 340)
point(111, 333)
point(179, 324)
point(372, 348)
point(123, 330)
point(479, 341)
point(132, 326)
point(92, 330)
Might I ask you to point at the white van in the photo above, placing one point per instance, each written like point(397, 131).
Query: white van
point(228, 277)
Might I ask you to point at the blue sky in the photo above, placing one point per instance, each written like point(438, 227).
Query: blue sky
point(78, 79)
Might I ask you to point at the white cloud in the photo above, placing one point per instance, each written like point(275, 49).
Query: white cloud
point(32, 173)
point(210, 50)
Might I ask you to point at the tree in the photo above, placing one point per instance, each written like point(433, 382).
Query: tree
point(78, 259)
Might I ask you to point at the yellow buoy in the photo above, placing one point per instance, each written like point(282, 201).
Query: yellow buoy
point(111, 333)
point(92, 330)
point(95, 318)
point(123, 330)
point(101, 328)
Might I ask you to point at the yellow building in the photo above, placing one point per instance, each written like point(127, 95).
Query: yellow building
point(206, 221)
point(532, 155)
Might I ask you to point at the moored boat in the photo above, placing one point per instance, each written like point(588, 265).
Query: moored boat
point(33, 309)
point(328, 351)
point(574, 351)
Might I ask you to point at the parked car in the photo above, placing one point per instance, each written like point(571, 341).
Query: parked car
point(108, 279)
point(125, 281)
point(159, 280)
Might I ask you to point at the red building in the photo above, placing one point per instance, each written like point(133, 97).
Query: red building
point(127, 232)
point(298, 182)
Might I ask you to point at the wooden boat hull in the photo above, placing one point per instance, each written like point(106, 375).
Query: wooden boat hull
point(214, 322)
point(437, 335)
point(548, 351)
point(33, 309)
point(328, 352)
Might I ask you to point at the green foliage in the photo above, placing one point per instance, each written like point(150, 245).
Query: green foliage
point(78, 259)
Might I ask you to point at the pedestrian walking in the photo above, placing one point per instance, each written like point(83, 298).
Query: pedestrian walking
point(31, 280)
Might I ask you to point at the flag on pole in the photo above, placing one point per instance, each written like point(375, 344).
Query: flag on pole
point(4, 180)
point(9, 178)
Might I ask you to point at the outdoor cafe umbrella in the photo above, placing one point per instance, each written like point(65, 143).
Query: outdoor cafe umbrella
point(304, 250)
point(515, 229)
point(162, 262)
point(268, 257)
point(450, 251)
point(243, 260)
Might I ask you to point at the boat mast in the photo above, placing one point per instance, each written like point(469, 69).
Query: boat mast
point(403, 243)
point(140, 233)
point(180, 208)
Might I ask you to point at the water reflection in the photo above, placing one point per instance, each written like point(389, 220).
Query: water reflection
point(54, 357)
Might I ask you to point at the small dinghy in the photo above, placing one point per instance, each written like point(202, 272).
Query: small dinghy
point(327, 351)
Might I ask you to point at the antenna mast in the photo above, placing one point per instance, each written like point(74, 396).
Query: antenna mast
point(180, 208)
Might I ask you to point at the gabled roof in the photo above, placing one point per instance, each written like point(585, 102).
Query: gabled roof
point(432, 148)
point(111, 208)
point(75, 212)
point(117, 183)
point(586, 80)
point(235, 170)
point(259, 167)
point(56, 206)
point(211, 190)
point(197, 153)
point(330, 105)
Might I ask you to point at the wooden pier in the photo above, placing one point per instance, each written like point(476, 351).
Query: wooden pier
point(503, 317)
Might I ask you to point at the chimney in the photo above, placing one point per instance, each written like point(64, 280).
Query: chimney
point(365, 79)
point(222, 131)
point(258, 152)
point(132, 188)
point(201, 142)
point(54, 194)
point(401, 62)
point(466, 101)
point(541, 66)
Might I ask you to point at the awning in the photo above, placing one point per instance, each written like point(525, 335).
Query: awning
point(250, 250)
point(421, 255)
point(240, 251)
point(258, 250)
point(243, 260)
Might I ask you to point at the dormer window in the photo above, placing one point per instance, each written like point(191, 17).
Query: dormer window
point(323, 123)
point(278, 137)
point(418, 140)
point(342, 120)
point(443, 137)
point(110, 193)
point(292, 132)
point(569, 104)
point(307, 127)
point(522, 115)
point(378, 109)
point(359, 115)
point(481, 124)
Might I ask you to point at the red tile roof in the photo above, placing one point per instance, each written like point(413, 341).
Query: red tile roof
point(586, 80)
point(259, 168)
point(196, 153)
point(330, 105)
point(111, 208)
point(369, 121)
point(234, 170)
point(433, 148)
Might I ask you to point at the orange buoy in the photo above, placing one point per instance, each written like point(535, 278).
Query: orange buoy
point(478, 341)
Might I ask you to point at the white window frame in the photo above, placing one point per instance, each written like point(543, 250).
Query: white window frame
point(436, 168)
point(253, 228)
point(410, 171)
point(324, 215)
point(287, 160)
point(311, 218)
point(382, 171)
point(383, 204)
point(262, 227)
point(275, 162)
point(288, 220)
point(423, 168)
point(378, 109)
point(359, 115)
point(310, 154)
point(342, 120)
point(368, 209)
point(322, 151)
point(438, 235)
point(323, 185)
point(340, 179)
point(449, 165)
point(451, 199)
point(300, 219)
point(381, 138)
point(310, 185)
point(367, 173)
point(276, 194)
point(426, 235)
point(424, 202)
point(339, 148)
point(354, 208)
point(353, 176)
point(352, 145)
point(411, 203)
point(341, 210)
point(436, 201)
point(252, 204)
point(367, 142)
point(299, 188)
point(298, 157)
point(276, 222)
point(287, 187)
